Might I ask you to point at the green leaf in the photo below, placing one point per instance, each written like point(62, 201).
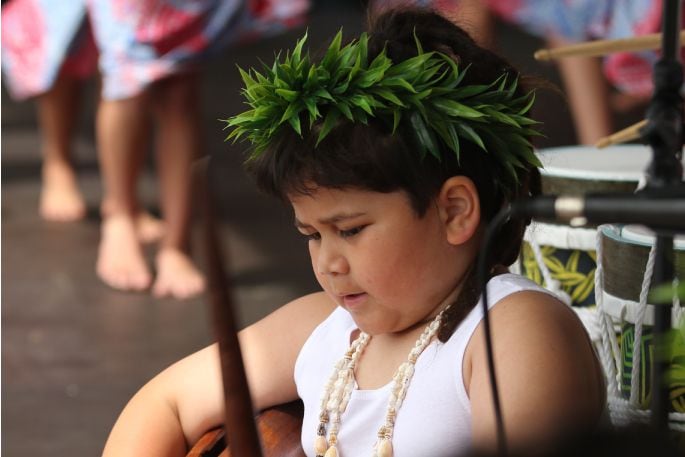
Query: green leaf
point(511, 91)
point(297, 52)
point(419, 48)
point(399, 83)
point(247, 79)
point(467, 132)
point(456, 109)
point(424, 136)
point(470, 91)
point(529, 105)
point(410, 68)
point(333, 50)
point(453, 134)
point(362, 103)
point(381, 61)
point(328, 124)
point(448, 135)
point(396, 117)
point(295, 124)
point(363, 49)
point(455, 76)
point(503, 83)
point(356, 68)
point(341, 89)
point(372, 76)
point(389, 96)
point(501, 117)
point(290, 95)
point(312, 109)
point(345, 109)
point(292, 111)
point(429, 73)
point(323, 93)
point(361, 116)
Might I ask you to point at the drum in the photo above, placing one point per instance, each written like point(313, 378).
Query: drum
point(561, 257)
point(625, 253)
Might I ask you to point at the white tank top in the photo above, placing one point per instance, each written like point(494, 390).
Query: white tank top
point(435, 417)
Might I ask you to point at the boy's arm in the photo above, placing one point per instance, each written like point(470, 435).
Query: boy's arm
point(549, 379)
point(184, 401)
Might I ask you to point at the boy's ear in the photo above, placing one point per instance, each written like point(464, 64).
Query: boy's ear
point(459, 208)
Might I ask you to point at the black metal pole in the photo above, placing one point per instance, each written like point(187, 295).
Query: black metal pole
point(663, 272)
point(664, 134)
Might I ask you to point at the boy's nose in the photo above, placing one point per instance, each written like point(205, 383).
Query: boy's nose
point(331, 262)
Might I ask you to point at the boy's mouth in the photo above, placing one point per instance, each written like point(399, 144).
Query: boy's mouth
point(350, 300)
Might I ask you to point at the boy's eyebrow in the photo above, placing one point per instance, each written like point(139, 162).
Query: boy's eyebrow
point(331, 219)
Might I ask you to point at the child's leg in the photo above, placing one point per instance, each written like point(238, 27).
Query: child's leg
point(588, 95)
point(178, 144)
point(149, 229)
point(60, 198)
point(122, 130)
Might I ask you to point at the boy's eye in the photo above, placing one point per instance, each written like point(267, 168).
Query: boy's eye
point(351, 232)
point(312, 236)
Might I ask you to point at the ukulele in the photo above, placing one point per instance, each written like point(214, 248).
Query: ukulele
point(279, 431)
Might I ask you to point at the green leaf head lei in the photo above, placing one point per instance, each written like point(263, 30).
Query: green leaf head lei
point(424, 91)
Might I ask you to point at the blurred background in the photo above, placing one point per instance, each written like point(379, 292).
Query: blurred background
point(75, 350)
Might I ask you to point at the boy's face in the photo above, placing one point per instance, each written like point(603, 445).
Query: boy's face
point(376, 258)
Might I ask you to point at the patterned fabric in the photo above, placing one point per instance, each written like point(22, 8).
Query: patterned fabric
point(38, 37)
point(139, 41)
point(676, 371)
point(573, 268)
point(581, 20)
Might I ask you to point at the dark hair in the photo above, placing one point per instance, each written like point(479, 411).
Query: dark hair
point(370, 157)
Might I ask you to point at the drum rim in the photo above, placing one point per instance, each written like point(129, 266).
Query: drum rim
point(546, 234)
point(622, 310)
point(550, 170)
point(616, 233)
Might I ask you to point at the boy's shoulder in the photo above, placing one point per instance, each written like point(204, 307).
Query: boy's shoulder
point(536, 324)
point(532, 307)
point(307, 311)
point(552, 376)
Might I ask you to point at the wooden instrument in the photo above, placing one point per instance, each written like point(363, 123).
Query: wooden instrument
point(622, 136)
point(238, 419)
point(279, 428)
point(603, 47)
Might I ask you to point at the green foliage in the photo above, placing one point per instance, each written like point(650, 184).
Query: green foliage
point(663, 294)
point(424, 91)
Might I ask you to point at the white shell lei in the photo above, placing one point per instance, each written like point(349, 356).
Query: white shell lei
point(338, 390)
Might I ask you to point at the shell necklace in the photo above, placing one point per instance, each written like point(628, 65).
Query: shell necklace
point(338, 391)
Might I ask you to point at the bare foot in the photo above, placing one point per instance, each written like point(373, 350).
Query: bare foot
point(149, 229)
point(177, 275)
point(60, 197)
point(121, 263)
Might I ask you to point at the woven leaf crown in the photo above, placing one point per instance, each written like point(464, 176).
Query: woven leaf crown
point(425, 90)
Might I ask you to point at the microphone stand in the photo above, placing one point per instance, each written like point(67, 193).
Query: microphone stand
point(664, 133)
